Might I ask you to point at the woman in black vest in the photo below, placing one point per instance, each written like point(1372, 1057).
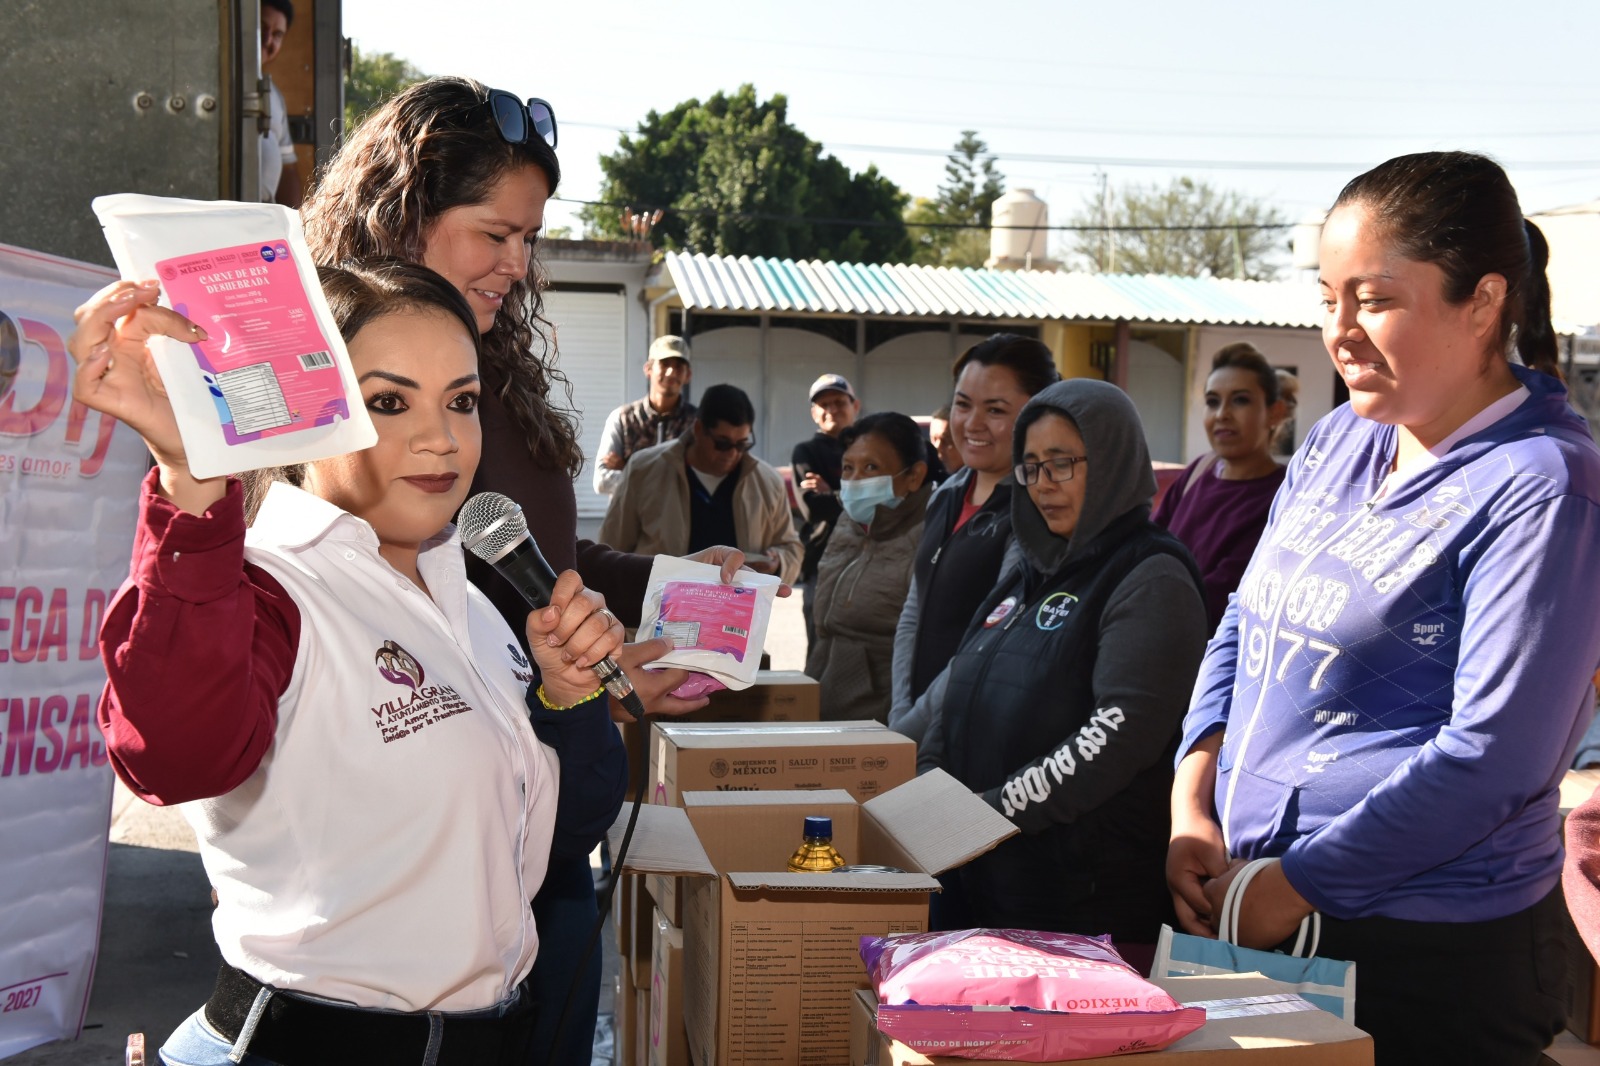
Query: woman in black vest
point(1063, 703)
point(968, 526)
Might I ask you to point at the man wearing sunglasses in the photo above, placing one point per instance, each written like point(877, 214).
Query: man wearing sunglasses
point(705, 489)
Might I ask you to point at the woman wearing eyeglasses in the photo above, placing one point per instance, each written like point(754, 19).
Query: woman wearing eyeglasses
point(453, 175)
point(1063, 704)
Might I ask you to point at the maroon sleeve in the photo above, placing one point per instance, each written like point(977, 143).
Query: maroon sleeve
point(198, 645)
point(1581, 876)
point(620, 577)
point(1168, 506)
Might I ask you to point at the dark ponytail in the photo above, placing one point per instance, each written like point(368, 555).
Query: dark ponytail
point(1458, 211)
point(1536, 335)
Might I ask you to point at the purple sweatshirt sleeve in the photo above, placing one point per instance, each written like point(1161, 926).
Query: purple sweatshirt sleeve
point(198, 646)
point(1213, 689)
point(1517, 698)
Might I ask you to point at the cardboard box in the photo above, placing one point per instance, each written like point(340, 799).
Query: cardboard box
point(622, 1019)
point(770, 958)
point(1302, 1038)
point(641, 1027)
point(641, 914)
point(632, 912)
point(863, 758)
point(776, 696)
point(669, 1040)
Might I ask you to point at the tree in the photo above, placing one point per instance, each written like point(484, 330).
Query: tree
point(966, 199)
point(736, 178)
point(1191, 228)
point(371, 80)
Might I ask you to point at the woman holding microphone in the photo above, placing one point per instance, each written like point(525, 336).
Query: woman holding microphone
point(348, 703)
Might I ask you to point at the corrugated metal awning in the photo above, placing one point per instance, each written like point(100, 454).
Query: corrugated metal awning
point(789, 286)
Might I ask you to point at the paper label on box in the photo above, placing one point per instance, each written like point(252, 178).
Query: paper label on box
point(772, 966)
point(1250, 1006)
point(265, 362)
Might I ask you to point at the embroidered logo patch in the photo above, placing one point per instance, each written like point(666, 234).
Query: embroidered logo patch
point(399, 666)
point(1001, 612)
point(1052, 613)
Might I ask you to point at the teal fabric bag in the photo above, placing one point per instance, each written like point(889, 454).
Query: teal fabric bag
point(1328, 983)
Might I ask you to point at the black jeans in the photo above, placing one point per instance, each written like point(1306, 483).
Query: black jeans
point(1458, 992)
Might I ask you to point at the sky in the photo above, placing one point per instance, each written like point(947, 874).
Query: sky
point(1283, 101)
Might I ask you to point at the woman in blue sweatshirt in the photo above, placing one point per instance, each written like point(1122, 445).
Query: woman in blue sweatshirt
point(1401, 678)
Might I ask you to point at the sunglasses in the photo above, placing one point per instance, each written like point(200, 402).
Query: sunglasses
point(722, 444)
point(519, 122)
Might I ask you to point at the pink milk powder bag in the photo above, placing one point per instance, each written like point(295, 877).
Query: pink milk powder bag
point(1019, 995)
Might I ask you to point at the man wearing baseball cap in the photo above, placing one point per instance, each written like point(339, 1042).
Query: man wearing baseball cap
point(661, 416)
point(815, 468)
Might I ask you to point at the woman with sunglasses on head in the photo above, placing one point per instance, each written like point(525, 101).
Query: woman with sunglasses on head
point(453, 175)
point(370, 766)
point(1063, 704)
point(865, 570)
point(1394, 694)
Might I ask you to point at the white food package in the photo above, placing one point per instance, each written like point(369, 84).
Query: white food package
point(719, 630)
point(272, 384)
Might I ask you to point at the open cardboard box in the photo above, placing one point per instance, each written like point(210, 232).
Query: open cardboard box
point(1307, 1037)
point(863, 758)
point(776, 696)
point(771, 958)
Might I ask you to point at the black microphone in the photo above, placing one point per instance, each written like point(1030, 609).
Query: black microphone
point(493, 528)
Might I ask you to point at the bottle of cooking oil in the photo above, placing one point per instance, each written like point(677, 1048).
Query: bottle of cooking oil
point(816, 854)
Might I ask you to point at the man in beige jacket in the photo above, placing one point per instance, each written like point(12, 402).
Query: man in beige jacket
point(705, 489)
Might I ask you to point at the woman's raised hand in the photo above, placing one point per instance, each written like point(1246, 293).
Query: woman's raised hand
point(570, 636)
point(116, 373)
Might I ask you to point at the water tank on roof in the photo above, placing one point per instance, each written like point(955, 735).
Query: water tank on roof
point(1019, 237)
point(1305, 240)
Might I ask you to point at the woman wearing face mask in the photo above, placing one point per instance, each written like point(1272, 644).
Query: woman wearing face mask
point(1219, 506)
point(1063, 704)
point(969, 519)
point(864, 572)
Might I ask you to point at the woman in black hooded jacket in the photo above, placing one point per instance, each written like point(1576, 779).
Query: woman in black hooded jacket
point(1063, 704)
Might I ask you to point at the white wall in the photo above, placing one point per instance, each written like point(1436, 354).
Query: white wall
point(909, 374)
point(1156, 387)
point(1574, 240)
point(601, 339)
point(1299, 350)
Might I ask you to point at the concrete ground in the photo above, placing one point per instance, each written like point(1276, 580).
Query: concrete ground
point(157, 956)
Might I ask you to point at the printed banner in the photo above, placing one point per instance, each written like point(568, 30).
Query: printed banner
point(68, 501)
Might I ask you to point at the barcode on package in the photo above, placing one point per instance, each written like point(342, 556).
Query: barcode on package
point(254, 398)
point(316, 361)
point(735, 631)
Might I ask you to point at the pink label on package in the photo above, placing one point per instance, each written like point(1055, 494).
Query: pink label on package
point(266, 363)
point(705, 617)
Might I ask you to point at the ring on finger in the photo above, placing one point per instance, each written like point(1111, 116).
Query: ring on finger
point(611, 619)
